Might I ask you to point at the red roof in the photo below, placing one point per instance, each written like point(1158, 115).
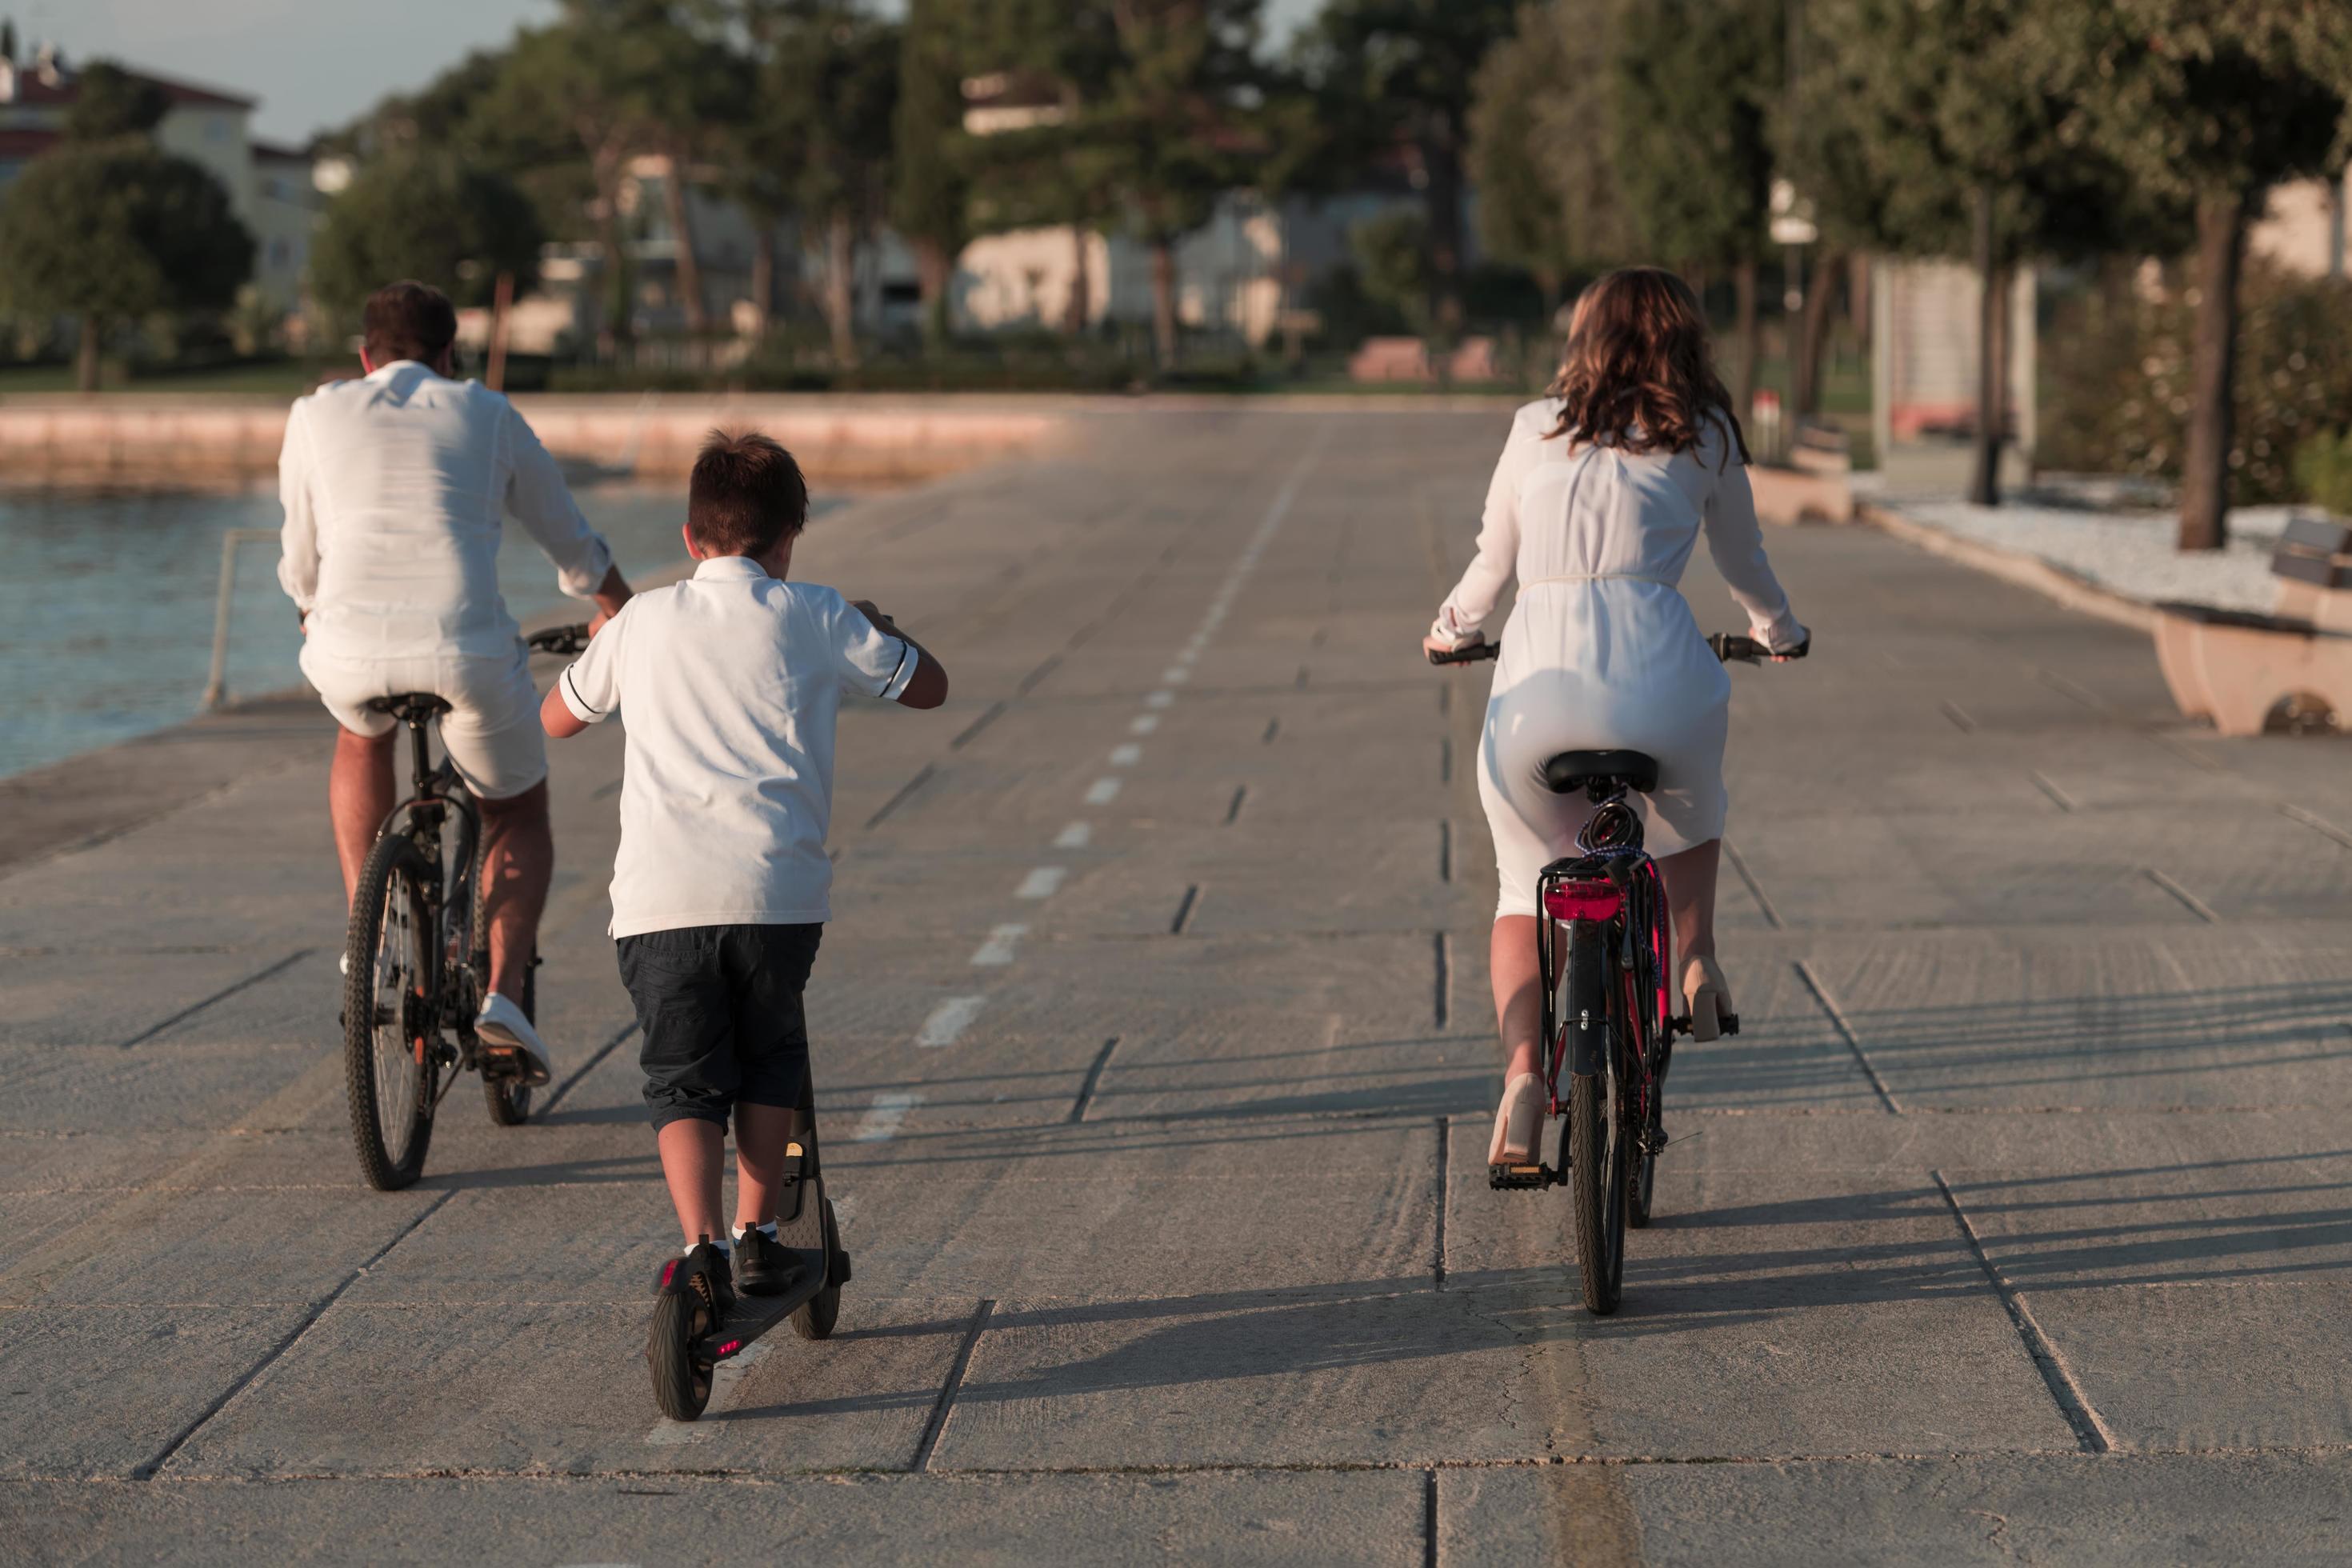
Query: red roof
point(19, 142)
point(32, 89)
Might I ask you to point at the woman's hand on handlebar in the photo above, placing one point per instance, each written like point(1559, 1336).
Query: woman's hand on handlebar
point(598, 622)
point(1446, 650)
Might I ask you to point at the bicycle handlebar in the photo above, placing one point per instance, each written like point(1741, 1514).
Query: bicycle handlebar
point(1469, 654)
point(565, 642)
point(1728, 647)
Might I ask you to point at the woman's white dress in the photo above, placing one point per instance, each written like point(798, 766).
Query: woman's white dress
point(1602, 650)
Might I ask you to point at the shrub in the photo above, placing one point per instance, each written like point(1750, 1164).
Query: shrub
point(2323, 471)
point(2119, 377)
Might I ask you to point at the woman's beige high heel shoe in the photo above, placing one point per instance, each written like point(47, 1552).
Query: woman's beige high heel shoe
point(1518, 1121)
point(1706, 999)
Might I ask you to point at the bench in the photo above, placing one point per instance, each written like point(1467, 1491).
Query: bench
point(2288, 671)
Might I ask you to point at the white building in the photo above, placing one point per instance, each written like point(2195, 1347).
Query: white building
point(269, 187)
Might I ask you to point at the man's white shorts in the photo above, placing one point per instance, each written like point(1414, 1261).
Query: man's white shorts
point(491, 731)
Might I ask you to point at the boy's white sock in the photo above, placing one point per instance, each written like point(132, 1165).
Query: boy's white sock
point(767, 1228)
point(725, 1247)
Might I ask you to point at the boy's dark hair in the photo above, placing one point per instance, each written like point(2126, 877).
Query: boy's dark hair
point(408, 320)
point(746, 495)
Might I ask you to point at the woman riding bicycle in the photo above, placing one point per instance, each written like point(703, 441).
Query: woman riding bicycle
point(1602, 489)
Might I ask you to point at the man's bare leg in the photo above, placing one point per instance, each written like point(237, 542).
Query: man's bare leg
point(359, 794)
point(518, 861)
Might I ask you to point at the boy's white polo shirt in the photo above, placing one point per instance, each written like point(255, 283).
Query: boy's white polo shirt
point(731, 682)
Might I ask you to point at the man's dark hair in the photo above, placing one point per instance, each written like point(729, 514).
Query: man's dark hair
point(746, 493)
point(408, 321)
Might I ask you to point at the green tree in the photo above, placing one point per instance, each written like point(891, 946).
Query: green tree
point(1942, 128)
point(2209, 104)
point(1521, 218)
point(110, 102)
point(1161, 114)
point(929, 188)
point(424, 216)
point(1044, 176)
point(1406, 69)
point(827, 85)
point(113, 231)
point(609, 82)
point(1691, 80)
point(1544, 141)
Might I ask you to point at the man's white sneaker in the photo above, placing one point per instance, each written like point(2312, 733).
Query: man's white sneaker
point(502, 1027)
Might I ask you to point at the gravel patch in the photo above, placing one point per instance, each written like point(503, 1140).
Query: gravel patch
point(2126, 552)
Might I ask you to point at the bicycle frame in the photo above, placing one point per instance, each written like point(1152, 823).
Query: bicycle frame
point(1607, 900)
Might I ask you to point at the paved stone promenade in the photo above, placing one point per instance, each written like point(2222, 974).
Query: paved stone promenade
point(1156, 1066)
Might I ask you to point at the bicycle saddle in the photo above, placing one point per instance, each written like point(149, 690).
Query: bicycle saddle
point(409, 707)
point(1572, 771)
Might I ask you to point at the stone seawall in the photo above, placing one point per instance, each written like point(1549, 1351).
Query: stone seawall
point(228, 442)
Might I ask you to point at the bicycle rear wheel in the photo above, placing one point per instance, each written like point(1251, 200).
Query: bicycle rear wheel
point(1597, 1151)
point(509, 1098)
point(390, 1030)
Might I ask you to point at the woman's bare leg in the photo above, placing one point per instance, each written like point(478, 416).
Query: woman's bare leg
point(1519, 993)
point(1690, 897)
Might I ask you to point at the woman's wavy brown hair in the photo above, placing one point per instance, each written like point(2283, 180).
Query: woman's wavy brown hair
point(1638, 373)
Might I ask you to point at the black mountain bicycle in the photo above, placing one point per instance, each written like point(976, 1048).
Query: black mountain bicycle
point(417, 958)
point(1605, 950)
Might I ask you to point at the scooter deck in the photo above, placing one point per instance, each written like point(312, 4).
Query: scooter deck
point(822, 1265)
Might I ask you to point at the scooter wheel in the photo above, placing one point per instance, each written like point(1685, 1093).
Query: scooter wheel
point(681, 1381)
point(816, 1318)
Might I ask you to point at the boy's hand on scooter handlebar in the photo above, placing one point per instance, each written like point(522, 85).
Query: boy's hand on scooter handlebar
point(867, 608)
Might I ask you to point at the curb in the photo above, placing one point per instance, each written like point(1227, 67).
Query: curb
point(2076, 593)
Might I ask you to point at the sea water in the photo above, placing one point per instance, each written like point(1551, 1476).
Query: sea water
point(106, 606)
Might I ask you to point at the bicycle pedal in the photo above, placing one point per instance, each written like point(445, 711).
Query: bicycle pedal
point(1730, 1022)
point(1510, 1177)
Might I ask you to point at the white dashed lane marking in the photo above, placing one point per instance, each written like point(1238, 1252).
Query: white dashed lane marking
point(998, 949)
point(1159, 700)
point(1074, 836)
point(882, 1119)
point(1175, 675)
point(1102, 792)
point(947, 1021)
point(1144, 725)
point(1126, 755)
point(1040, 883)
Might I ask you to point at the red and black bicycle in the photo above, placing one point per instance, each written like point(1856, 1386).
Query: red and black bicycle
point(1606, 952)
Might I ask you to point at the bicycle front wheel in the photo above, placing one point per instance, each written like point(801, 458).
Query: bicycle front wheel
point(389, 1027)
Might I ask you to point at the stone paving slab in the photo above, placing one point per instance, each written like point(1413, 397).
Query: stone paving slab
point(1245, 1518)
point(2203, 1509)
point(107, 1392)
point(391, 1390)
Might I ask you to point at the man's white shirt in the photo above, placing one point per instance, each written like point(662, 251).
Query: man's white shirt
point(731, 682)
point(394, 487)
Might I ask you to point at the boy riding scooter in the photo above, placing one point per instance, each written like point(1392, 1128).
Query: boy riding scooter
point(731, 681)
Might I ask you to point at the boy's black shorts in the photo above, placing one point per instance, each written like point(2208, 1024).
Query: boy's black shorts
point(719, 1010)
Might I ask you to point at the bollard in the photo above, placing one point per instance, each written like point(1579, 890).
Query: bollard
point(216, 683)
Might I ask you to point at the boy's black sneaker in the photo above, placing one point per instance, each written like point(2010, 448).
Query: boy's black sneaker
point(764, 1267)
point(704, 1270)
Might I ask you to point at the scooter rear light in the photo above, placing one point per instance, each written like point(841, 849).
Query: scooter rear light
point(1596, 900)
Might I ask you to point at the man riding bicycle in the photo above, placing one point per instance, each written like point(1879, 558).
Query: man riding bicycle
point(393, 486)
